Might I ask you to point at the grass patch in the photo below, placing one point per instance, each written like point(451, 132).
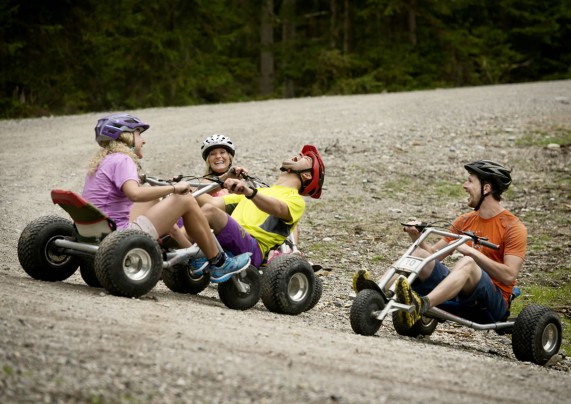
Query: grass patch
point(448, 190)
point(556, 298)
point(399, 185)
point(559, 136)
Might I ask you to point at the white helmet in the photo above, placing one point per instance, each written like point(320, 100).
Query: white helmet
point(214, 141)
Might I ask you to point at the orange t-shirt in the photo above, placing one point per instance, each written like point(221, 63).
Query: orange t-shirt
point(504, 229)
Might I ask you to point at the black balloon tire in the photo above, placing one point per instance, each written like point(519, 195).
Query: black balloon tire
point(425, 326)
point(87, 272)
point(39, 257)
point(535, 327)
point(112, 263)
point(366, 302)
point(179, 279)
point(282, 272)
point(236, 300)
point(317, 292)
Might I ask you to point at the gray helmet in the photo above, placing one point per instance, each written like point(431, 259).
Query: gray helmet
point(214, 141)
point(111, 126)
point(487, 170)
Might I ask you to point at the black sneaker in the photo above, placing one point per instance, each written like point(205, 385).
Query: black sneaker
point(406, 295)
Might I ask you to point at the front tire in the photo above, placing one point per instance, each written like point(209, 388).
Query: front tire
point(38, 255)
point(236, 300)
point(363, 320)
point(424, 326)
point(128, 263)
point(288, 284)
point(536, 334)
point(180, 280)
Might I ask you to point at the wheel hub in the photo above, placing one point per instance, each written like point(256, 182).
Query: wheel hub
point(137, 264)
point(298, 287)
point(550, 337)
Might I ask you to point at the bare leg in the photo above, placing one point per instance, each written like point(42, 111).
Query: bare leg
point(140, 208)
point(463, 278)
point(179, 235)
point(166, 213)
point(217, 218)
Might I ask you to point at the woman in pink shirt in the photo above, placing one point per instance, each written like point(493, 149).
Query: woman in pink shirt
point(112, 184)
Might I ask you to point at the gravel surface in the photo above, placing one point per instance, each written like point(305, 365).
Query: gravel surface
point(388, 157)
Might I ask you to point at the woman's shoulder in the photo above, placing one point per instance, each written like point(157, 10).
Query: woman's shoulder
point(117, 159)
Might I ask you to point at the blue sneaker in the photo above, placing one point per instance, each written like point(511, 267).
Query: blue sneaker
point(231, 266)
point(198, 265)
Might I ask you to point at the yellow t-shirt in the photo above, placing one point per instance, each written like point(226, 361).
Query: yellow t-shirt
point(504, 229)
point(268, 230)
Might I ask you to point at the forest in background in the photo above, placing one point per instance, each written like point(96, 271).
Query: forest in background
point(68, 57)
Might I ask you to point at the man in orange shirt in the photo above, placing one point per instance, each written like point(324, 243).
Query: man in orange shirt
point(483, 277)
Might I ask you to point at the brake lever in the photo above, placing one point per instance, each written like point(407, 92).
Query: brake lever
point(481, 240)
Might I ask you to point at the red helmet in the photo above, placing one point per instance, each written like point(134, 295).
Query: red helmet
point(313, 188)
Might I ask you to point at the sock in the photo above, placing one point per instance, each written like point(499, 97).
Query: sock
point(425, 304)
point(218, 260)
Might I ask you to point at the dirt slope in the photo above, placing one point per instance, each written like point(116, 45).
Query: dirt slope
point(388, 157)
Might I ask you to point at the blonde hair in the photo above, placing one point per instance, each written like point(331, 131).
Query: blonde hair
point(123, 145)
point(209, 171)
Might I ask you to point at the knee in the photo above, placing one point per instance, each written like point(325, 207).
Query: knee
point(420, 253)
point(209, 209)
point(466, 264)
point(188, 201)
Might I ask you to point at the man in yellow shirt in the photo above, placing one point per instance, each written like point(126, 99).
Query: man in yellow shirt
point(256, 220)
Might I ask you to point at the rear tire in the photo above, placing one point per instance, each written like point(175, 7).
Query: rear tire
point(37, 254)
point(288, 284)
point(317, 292)
point(536, 334)
point(128, 263)
point(365, 304)
point(87, 272)
point(236, 300)
point(180, 280)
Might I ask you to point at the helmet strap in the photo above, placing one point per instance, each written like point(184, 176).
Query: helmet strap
point(298, 173)
point(481, 197)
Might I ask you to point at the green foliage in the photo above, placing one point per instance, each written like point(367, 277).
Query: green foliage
point(64, 57)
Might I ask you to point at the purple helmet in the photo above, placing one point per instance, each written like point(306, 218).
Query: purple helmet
point(110, 127)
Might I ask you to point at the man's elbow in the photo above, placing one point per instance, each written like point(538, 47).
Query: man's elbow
point(508, 280)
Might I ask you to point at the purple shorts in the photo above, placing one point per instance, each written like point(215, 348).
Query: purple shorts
point(235, 239)
point(485, 296)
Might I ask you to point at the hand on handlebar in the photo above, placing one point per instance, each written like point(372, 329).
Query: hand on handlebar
point(414, 228)
point(481, 240)
point(236, 186)
point(181, 188)
point(238, 172)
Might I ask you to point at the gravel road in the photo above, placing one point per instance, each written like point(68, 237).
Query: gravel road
point(68, 343)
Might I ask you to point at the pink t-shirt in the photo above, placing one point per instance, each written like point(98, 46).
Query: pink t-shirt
point(103, 189)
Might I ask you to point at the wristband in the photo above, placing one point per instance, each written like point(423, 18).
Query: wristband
point(254, 193)
point(173, 190)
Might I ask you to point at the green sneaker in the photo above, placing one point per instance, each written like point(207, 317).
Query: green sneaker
point(406, 295)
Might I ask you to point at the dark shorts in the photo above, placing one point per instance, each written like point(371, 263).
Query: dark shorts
point(485, 296)
point(235, 239)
